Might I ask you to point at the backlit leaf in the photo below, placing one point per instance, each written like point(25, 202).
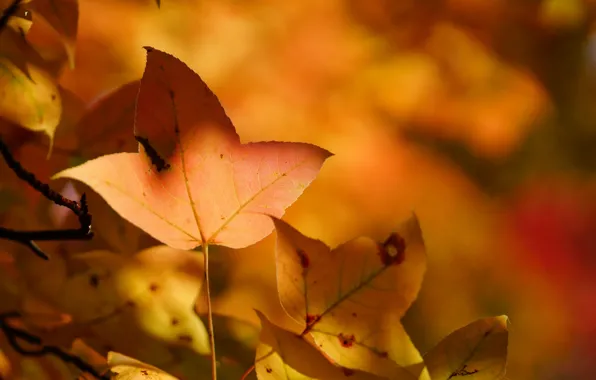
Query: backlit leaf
point(127, 368)
point(30, 97)
point(192, 181)
point(350, 299)
point(282, 355)
point(478, 350)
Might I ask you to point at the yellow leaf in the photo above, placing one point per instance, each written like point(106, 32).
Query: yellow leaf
point(30, 97)
point(350, 299)
point(127, 368)
point(286, 356)
point(478, 350)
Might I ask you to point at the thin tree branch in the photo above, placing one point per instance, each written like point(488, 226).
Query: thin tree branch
point(17, 336)
point(27, 238)
point(8, 13)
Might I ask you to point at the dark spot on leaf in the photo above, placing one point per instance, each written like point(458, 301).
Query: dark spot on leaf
point(185, 338)
point(153, 287)
point(346, 341)
point(269, 370)
point(354, 315)
point(347, 371)
point(171, 92)
point(156, 160)
point(53, 96)
point(94, 280)
point(462, 372)
point(131, 303)
point(383, 354)
point(393, 250)
point(144, 194)
point(311, 320)
point(284, 174)
point(304, 260)
point(221, 156)
point(175, 321)
point(144, 372)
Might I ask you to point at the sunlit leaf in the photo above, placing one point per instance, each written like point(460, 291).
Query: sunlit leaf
point(286, 356)
point(351, 298)
point(478, 350)
point(127, 368)
point(30, 96)
point(133, 304)
point(193, 182)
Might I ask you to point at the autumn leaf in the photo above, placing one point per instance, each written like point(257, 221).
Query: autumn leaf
point(127, 368)
point(105, 127)
point(478, 349)
point(140, 304)
point(30, 97)
point(63, 16)
point(193, 182)
point(350, 299)
point(282, 355)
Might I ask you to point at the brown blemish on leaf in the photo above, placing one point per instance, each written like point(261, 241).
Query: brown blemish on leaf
point(94, 280)
point(144, 372)
point(347, 372)
point(383, 354)
point(393, 250)
point(354, 315)
point(174, 321)
point(269, 370)
point(311, 320)
point(153, 287)
point(221, 156)
point(304, 260)
point(185, 338)
point(53, 96)
point(131, 303)
point(346, 341)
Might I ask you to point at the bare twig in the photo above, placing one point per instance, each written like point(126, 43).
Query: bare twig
point(27, 238)
point(17, 336)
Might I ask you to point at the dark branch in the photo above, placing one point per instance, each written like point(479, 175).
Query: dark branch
point(27, 238)
point(80, 209)
point(8, 13)
point(17, 336)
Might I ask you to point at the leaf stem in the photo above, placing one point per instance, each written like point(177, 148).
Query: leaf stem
point(210, 314)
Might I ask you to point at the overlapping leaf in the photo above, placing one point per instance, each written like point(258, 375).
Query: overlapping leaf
point(30, 97)
point(63, 16)
point(132, 304)
point(282, 355)
point(350, 299)
point(127, 368)
point(106, 126)
point(478, 350)
point(193, 182)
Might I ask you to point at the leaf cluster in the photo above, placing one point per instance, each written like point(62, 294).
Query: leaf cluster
point(167, 178)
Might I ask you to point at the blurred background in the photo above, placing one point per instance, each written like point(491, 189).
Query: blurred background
point(477, 115)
